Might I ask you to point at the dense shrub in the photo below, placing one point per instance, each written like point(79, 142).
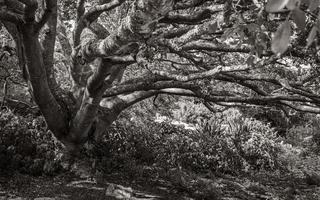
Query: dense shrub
point(229, 144)
point(305, 136)
point(300, 135)
point(26, 146)
point(243, 143)
point(315, 124)
point(256, 142)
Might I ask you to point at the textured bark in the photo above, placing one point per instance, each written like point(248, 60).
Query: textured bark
point(105, 74)
point(136, 27)
point(48, 43)
point(174, 34)
point(83, 121)
point(49, 107)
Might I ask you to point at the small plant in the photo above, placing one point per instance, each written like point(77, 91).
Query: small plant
point(26, 146)
point(255, 141)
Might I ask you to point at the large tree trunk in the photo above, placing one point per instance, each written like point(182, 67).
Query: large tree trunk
point(72, 122)
point(138, 26)
point(41, 92)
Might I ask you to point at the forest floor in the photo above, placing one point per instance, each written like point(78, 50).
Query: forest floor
point(117, 185)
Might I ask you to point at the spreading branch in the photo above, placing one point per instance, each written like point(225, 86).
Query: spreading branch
point(200, 75)
point(136, 27)
point(11, 17)
point(51, 6)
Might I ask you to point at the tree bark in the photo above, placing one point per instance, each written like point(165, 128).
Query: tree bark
point(43, 97)
point(100, 46)
point(136, 27)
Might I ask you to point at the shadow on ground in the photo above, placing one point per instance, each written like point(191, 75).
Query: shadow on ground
point(24, 187)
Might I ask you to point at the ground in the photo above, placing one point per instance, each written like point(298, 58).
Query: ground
point(68, 186)
point(263, 185)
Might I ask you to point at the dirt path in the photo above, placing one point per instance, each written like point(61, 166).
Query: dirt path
point(117, 186)
point(24, 187)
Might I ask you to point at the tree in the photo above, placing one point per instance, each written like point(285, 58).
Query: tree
point(125, 51)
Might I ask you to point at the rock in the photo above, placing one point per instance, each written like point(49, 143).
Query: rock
point(119, 192)
point(44, 198)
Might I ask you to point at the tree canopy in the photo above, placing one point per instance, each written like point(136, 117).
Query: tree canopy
point(115, 53)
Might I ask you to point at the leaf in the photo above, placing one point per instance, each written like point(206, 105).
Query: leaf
point(313, 4)
point(311, 36)
point(276, 5)
point(293, 4)
point(281, 39)
point(299, 18)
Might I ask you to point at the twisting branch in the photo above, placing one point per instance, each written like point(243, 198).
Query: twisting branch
point(86, 19)
point(11, 17)
point(187, 19)
point(96, 11)
point(93, 31)
point(209, 46)
point(265, 100)
point(176, 32)
point(79, 23)
point(303, 108)
point(138, 26)
point(80, 9)
point(15, 6)
point(30, 10)
point(50, 6)
point(130, 99)
point(29, 3)
point(289, 86)
point(189, 4)
point(200, 75)
point(147, 86)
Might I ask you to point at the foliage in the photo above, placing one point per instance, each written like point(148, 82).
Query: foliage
point(300, 135)
point(304, 134)
point(190, 111)
point(255, 141)
point(315, 124)
point(229, 145)
point(26, 145)
point(68, 9)
point(218, 52)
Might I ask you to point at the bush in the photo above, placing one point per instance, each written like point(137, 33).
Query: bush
point(305, 136)
point(26, 146)
point(229, 145)
point(256, 142)
point(239, 143)
point(298, 135)
point(315, 124)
